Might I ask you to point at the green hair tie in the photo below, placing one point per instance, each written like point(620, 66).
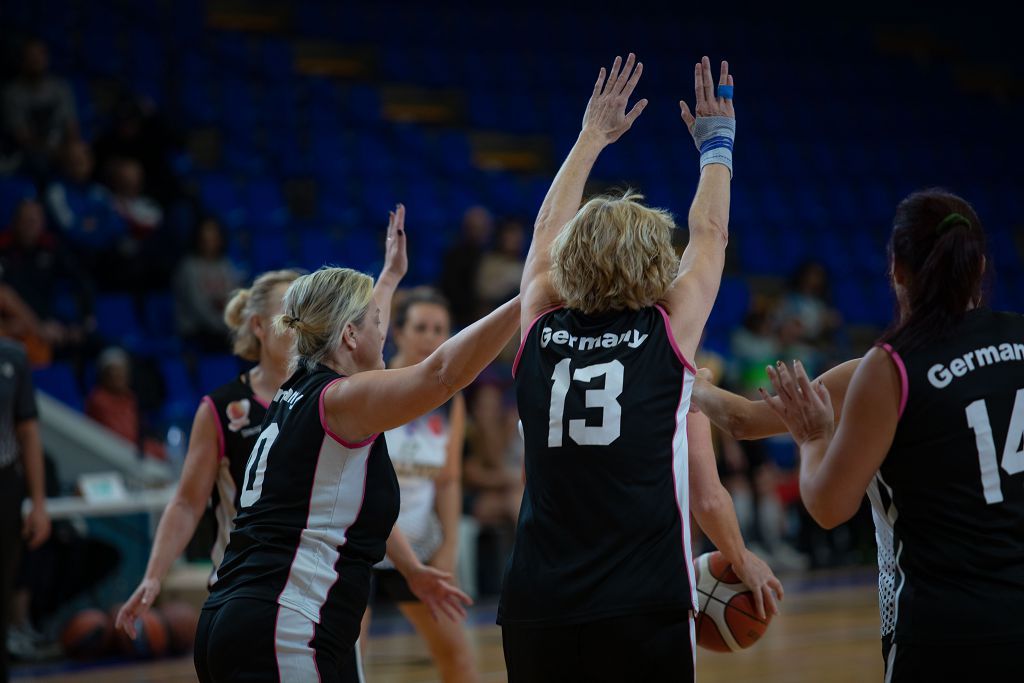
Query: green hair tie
point(951, 220)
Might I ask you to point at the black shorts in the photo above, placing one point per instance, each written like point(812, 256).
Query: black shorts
point(951, 662)
point(640, 647)
point(255, 641)
point(388, 585)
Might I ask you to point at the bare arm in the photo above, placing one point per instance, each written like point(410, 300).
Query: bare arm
point(430, 585)
point(692, 294)
point(712, 508)
point(448, 489)
point(375, 401)
point(837, 467)
point(181, 516)
point(396, 264)
point(747, 420)
point(30, 445)
point(604, 121)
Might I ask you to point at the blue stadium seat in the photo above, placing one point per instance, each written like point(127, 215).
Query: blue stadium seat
point(269, 251)
point(13, 189)
point(220, 196)
point(59, 381)
point(215, 370)
point(117, 319)
point(182, 397)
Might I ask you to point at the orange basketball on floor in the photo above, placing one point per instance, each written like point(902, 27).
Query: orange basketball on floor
point(87, 634)
point(727, 619)
point(181, 619)
point(151, 640)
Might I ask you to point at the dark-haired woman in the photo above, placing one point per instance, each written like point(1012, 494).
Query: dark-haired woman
point(931, 429)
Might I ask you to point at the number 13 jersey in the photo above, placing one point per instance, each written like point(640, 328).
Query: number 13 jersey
point(604, 524)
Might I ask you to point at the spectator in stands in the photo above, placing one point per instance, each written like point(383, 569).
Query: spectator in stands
point(81, 208)
point(501, 268)
point(36, 266)
point(808, 301)
point(461, 263)
point(38, 111)
point(141, 214)
point(19, 443)
point(113, 404)
point(202, 285)
point(138, 132)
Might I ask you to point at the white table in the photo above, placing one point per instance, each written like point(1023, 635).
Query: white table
point(70, 507)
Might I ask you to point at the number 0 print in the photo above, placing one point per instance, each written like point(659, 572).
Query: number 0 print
point(252, 482)
point(605, 399)
point(1013, 451)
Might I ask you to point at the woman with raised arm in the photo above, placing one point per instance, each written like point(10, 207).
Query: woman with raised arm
point(319, 496)
point(228, 421)
point(600, 583)
point(931, 431)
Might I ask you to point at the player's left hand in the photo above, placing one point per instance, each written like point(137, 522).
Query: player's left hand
point(434, 590)
point(766, 589)
point(396, 259)
point(36, 528)
point(805, 408)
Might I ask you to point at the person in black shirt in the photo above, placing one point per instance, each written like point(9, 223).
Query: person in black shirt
point(21, 467)
point(932, 428)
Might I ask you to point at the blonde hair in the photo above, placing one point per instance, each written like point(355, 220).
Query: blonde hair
point(614, 254)
point(254, 300)
point(318, 306)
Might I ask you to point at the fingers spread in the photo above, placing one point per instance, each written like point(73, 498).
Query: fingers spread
point(709, 82)
point(688, 118)
point(600, 82)
point(698, 85)
point(613, 75)
point(635, 112)
point(633, 80)
point(723, 78)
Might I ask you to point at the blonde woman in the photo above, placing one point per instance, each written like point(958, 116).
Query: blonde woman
point(227, 424)
point(600, 583)
point(427, 456)
point(319, 493)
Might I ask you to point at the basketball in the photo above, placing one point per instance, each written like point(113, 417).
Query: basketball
point(181, 619)
point(727, 619)
point(151, 639)
point(87, 634)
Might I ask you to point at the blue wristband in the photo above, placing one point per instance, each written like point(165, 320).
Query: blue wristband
point(714, 136)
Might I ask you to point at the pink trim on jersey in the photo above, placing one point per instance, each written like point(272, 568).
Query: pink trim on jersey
point(672, 339)
point(220, 427)
point(904, 382)
point(259, 400)
point(327, 430)
point(526, 335)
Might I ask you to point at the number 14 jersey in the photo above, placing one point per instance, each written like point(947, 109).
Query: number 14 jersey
point(604, 524)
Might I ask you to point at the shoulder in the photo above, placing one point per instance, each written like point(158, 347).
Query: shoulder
point(13, 351)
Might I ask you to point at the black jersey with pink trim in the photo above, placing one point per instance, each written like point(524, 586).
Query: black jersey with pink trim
point(315, 511)
point(238, 413)
point(604, 524)
point(948, 500)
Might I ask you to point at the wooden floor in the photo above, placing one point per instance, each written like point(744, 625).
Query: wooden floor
point(827, 633)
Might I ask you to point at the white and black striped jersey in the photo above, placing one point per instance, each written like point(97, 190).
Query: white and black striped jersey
point(948, 500)
point(315, 511)
point(604, 524)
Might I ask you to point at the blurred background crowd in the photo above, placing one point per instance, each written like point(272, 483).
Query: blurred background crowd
point(156, 156)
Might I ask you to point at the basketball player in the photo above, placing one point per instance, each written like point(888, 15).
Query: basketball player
point(931, 429)
point(600, 583)
point(427, 456)
point(228, 420)
point(319, 496)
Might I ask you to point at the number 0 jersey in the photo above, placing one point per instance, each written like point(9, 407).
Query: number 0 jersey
point(948, 500)
point(604, 524)
point(315, 511)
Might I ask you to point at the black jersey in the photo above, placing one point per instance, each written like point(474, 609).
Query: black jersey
point(315, 510)
point(239, 414)
point(604, 524)
point(948, 500)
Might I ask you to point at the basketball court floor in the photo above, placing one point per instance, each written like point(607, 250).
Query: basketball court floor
point(827, 633)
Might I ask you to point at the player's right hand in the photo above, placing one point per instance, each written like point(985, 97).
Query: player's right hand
point(708, 101)
point(434, 590)
point(766, 589)
point(142, 599)
point(606, 115)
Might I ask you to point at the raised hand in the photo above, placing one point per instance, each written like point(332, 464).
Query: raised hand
point(708, 101)
point(805, 408)
point(396, 259)
point(606, 114)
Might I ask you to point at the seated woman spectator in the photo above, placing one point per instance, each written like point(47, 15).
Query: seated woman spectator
point(142, 215)
point(501, 268)
point(808, 301)
point(202, 285)
point(113, 404)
